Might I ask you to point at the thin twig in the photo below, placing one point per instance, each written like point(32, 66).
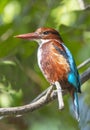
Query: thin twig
point(84, 63)
point(85, 76)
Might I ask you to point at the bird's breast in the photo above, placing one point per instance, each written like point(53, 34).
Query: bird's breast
point(53, 65)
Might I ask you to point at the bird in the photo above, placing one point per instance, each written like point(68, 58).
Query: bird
point(57, 64)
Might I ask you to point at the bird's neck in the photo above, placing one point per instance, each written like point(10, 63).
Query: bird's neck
point(44, 41)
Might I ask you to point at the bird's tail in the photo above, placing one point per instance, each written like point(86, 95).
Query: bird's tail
point(76, 105)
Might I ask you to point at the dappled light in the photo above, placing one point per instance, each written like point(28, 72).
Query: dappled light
point(10, 11)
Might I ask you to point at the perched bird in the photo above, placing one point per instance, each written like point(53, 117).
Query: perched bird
point(56, 63)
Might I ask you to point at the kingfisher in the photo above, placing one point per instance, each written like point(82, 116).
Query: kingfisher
point(57, 64)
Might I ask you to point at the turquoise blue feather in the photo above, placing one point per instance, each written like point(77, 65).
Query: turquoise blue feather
point(74, 79)
point(73, 76)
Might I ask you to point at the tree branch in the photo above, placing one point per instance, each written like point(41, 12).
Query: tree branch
point(40, 101)
point(84, 63)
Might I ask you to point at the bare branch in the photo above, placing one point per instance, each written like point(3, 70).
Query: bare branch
point(85, 76)
point(39, 101)
point(84, 63)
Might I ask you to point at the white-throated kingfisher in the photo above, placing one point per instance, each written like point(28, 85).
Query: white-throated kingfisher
point(56, 63)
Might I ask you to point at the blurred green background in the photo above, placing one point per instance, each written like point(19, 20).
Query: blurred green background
point(20, 78)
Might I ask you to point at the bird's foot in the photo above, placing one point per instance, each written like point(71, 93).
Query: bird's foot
point(59, 95)
point(48, 94)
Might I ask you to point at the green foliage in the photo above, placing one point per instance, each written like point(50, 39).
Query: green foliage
point(8, 96)
point(65, 13)
point(20, 78)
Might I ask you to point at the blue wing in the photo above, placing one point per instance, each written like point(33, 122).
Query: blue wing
point(74, 79)
point(73, 76)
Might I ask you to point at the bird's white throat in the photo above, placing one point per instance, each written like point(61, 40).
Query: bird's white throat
point(42, 41)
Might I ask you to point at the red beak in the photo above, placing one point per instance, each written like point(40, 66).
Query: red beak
point(29, 36)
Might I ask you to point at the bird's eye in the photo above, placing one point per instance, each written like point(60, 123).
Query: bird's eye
point(46, 32)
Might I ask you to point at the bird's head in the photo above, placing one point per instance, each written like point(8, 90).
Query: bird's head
point(41, 34)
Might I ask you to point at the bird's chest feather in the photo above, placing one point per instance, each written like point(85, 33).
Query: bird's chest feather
point(52, 63)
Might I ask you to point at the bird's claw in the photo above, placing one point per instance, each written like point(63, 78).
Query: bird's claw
point(48, 94)
point(59, 95)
